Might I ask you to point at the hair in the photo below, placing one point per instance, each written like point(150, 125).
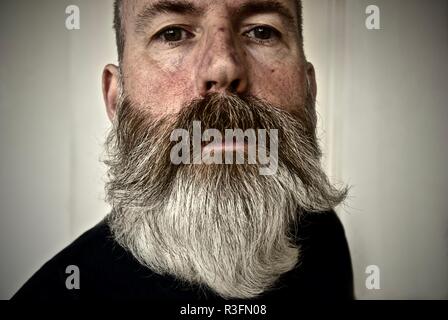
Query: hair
point(119, 29)
point(120, 33)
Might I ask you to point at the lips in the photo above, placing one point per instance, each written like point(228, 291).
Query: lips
point(223, 147)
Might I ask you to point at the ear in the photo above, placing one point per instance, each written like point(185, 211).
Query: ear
point(311, 78)
point(111, 89)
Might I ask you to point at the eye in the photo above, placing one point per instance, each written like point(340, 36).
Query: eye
point(173, 35)
point(263, 34)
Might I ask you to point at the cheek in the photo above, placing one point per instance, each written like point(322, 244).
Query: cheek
point(279, 80)
point(161, 87)
point(284, 86)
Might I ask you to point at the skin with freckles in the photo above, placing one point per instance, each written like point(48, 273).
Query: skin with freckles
point(171, 58)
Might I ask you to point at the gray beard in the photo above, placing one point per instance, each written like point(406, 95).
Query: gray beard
point(223, 227)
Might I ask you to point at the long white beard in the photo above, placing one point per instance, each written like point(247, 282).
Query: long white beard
point(225, 227)
point(232, 236)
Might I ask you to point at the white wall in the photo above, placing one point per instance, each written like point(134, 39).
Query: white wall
point(383, 97)
point(382, 102)
point(52, 126)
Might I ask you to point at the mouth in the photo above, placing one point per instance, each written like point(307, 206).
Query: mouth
point(225, 146)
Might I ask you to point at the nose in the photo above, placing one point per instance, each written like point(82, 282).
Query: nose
point(221, 66)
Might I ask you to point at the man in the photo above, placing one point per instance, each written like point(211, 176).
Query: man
point(209, 229)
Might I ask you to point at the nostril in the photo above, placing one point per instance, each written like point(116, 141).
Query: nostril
point(234, 85)
point(209, 85)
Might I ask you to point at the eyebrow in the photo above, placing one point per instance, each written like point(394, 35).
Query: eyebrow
point(165, 7)
point(267, 6)
point(186, 7)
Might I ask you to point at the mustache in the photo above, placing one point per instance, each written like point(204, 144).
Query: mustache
point(220, 111)
point(140, 140)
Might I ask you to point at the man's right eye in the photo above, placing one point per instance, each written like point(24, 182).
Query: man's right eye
point(173, 35)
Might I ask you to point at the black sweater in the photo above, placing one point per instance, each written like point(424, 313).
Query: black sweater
point(107, 271)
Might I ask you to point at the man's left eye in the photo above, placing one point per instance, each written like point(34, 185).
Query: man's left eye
point(262, 33)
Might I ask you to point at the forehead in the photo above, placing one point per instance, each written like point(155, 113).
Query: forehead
point(132, 8)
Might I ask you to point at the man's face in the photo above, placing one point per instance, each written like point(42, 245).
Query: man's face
point(179, 50)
